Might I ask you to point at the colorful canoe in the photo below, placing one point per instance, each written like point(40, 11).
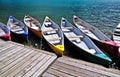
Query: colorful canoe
point(18, 29)
point(100, 39)
point(53, 35)
point(33, 25)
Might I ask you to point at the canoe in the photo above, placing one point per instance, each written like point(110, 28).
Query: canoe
point(53, 35)
point(83, 45)
point(18, 29)
point(100, 39)
point(4, 32)
point(33, 25)
point(116, 34)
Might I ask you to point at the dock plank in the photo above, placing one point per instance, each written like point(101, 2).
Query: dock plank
point(48, 75)
point(13, 57)
point(88, 68)
point(30, 66)
point(6, 50)
point(2, 44)
point(43, 67)
point(20, 63)
point(2, 41)
point(92, 65)
point(73, 70)
point(34, 69)
point(15, 62)
point(10, 52)
point(4, 47)
point(58, 73)
point(31, 60)
point(78, 68)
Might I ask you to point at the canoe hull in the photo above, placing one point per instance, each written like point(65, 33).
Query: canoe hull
point(108, 47)
point(6, 37)
point(57, 49)
point(20, 37)
point(87, 56)
point(37, 33)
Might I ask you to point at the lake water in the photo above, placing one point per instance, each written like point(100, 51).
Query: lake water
point(103, 14)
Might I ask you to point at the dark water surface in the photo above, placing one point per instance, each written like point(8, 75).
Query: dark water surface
point(103, 14)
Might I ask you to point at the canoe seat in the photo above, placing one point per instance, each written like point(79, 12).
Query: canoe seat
point(54, 39)
point(92, 51)
point(15, 27)
point(36, 28)
point(65, 30)
point(78, 41)
point(76, 36)
point(29, 19)
point(33, 26)
point(116, 34)
point(52, 31)
point(79, 23)
point(16, 23)
point(20, 31)
point(47, 24)
point(34, 22)
point(85, 28)
point(16, 30)
point(67, 27)
point(86, 31)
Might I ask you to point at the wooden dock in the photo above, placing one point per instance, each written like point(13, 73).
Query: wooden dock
point(68, 67)
point(17, 60)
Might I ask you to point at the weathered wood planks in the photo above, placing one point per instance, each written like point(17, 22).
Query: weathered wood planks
point(17, 60)
point(68, 67)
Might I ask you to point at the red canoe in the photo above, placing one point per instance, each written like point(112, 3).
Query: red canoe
point(100, 39)
point(4, 32)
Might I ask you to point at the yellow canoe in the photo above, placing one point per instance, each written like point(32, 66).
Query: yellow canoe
point(53, 35)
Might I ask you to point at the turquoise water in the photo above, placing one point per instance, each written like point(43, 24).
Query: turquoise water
point(104, 14)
